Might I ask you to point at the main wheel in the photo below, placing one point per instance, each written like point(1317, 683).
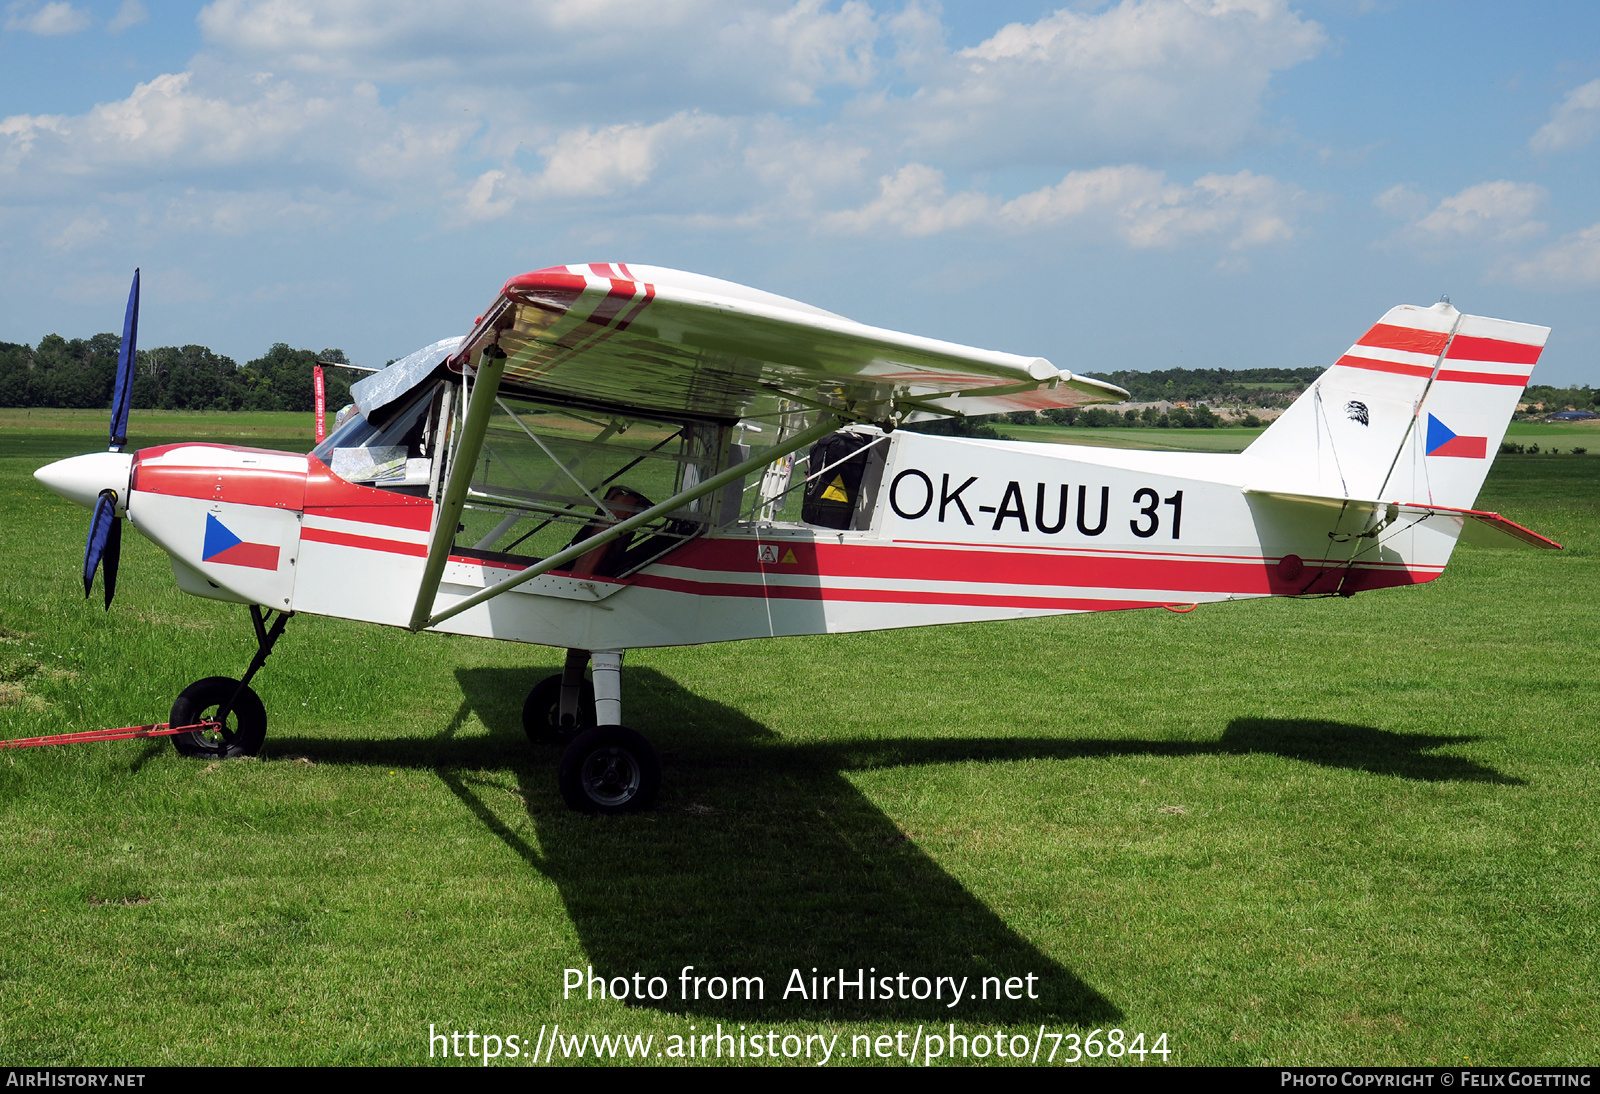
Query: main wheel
point(241, 735)
point(541, 712)
point(609, 769)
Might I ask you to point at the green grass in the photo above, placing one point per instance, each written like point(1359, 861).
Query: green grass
point(1334, 831)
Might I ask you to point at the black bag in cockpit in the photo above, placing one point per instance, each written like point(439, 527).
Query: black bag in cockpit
point(830, 498)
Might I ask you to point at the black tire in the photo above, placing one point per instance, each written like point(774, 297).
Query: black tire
point(244, 732)
point(609, 769)
point(542, 709)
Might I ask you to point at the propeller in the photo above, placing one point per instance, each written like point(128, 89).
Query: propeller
point(105, 527)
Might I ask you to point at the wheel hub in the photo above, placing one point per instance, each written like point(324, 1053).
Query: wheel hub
point(611, 776)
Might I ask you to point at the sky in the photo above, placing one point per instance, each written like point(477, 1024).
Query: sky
point(1137, 185)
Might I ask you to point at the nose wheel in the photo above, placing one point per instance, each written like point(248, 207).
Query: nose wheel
point(241, 730)
point(237, 710)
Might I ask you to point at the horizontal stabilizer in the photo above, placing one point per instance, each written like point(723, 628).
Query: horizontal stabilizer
point(1492, 530)
point(1478, 528)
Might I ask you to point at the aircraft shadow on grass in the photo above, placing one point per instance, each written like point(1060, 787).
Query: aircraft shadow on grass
point(761, 857)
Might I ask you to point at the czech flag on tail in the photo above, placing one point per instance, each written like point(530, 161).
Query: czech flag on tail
point(222, 546)
point(1444, 441)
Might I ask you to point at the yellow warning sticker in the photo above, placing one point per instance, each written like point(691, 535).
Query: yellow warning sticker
point(835, 490)
point(788, 556)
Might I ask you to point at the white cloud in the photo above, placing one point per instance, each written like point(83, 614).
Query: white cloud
point(625, 56)
point(1573, 123)
point(1401, 201)
point(1572, 260)
point(1135, 204)
point(231, 213)
point(798, 169)
point(594, 162)
point(587, 163)
point(548, 109)
point(83, 230)
point(822, 48)
point(912, 202)
point(56, 17)
point(1147, 211)
point(130, 13)
point(1156, 77)
point(260, 132)
point(1497, 212)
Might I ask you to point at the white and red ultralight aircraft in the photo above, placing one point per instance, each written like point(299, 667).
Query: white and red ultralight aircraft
point(500, 485)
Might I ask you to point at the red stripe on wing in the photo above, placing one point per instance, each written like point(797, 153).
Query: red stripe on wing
point(649, 295)
point(620, 296)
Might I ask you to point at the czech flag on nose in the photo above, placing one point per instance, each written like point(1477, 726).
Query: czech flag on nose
point(1443, 441)
point(224, 547)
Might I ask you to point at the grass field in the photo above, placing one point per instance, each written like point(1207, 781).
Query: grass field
point(1334, 831)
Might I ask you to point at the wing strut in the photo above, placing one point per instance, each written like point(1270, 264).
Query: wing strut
point(491, 366)
point(463, 468)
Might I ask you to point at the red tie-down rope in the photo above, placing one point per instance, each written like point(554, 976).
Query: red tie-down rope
point(160, 729)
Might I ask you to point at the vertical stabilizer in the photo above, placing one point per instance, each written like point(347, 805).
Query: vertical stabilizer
point(1413, 412)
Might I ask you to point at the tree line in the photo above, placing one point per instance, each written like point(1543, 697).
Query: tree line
point(81, 372)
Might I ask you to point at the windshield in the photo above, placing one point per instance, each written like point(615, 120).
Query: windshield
point(357, 451)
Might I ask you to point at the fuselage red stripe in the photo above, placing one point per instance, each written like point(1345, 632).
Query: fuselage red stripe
point(889, 596)
point(867, 562)
point(238, 485)
point(365, 543)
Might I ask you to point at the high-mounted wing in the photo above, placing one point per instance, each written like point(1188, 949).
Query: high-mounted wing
point(676, 344)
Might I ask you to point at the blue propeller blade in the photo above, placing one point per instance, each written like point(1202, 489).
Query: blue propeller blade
point(123, 392)
point(105, 541)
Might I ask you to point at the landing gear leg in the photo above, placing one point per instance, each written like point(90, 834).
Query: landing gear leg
point(232, 704)
point(561, 706)
point(607, 687)
point(610, 768)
